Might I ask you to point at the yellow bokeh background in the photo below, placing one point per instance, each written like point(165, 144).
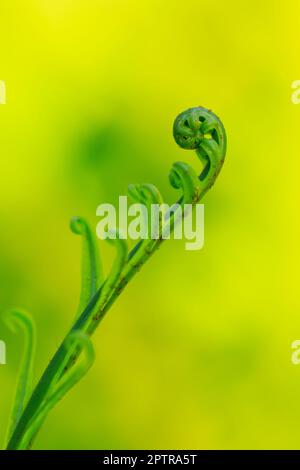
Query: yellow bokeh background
point(197, 351)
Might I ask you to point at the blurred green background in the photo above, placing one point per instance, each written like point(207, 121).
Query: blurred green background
point(196, 352)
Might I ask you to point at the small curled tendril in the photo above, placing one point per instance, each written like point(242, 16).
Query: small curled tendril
point(146, 194)
point(150, 196)
point(182, 176)
point(91, 268)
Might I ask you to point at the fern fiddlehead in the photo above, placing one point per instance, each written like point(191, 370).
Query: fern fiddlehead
point(195, 129)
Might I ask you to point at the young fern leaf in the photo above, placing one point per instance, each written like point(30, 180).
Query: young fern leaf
point(182, 176)
point(21, 319)
point(68, 381)
point(91, 267)
point(91, 273)
point(113, 277)
point(149, 196)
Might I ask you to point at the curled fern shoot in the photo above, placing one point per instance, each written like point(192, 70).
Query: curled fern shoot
point(196, 129)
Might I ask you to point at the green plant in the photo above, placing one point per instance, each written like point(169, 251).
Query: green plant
point(196, 128)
